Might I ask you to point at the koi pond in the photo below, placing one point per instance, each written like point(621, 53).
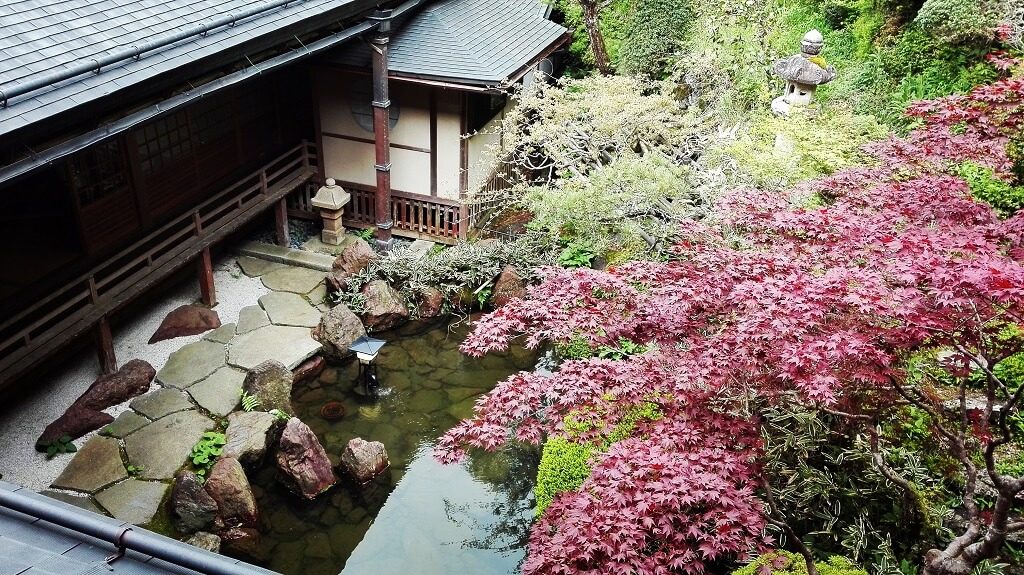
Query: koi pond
point(420, 517)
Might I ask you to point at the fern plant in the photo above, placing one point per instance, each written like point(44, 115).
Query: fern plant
point(250, 402)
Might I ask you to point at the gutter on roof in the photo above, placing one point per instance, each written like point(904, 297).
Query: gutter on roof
point(123, 537)
point(134, 52)
point(73, 145)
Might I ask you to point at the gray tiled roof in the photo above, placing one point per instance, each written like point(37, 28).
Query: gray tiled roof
point(31, 546)
point(473, 41)
point(38, 37)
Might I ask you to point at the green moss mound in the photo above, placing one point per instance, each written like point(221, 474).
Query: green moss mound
point(786, 563)
point(564, 465)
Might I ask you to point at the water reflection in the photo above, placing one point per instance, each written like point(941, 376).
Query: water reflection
point(422, 517)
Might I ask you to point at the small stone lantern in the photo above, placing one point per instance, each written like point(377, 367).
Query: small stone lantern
point(803, 73)
point(331, 199)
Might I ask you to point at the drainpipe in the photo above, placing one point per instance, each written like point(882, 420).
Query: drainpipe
point(122, 536)
point(382, 127)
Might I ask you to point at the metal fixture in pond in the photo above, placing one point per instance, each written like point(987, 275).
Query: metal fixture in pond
point(332, 410)
point(366, 349)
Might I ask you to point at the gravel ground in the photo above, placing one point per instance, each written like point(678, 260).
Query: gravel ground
point(23, 421)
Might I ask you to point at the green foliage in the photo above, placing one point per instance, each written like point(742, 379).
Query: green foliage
point(786, 563)
point(576, 255)
point(482, 297)
point(280, 415)
point(958, 21)
point(575, 348)
point(366, 234)
point(777, 152)
point(206, 450)
point(62, 444)
point(134, 470)
point(564, 465)
point(1005, 198)
point(654, 31)
point(250, 402)
point(622, 350)
point(613, 22)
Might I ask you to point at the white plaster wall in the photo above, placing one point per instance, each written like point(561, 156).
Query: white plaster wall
point(483, 149)
point(449, 134)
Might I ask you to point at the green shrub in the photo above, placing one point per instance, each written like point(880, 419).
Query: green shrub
point(206, 451)
point(958, 21)
point(786, 563)
point(564, 465)
point(1004, 198)
point(653, 33)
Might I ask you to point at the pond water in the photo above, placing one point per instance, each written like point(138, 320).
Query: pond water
point(421, 517)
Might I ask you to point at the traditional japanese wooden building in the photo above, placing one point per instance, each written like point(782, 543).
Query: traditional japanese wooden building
point(136, 134)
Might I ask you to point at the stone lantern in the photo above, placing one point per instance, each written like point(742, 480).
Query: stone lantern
point(803, 73)
point(331, 199)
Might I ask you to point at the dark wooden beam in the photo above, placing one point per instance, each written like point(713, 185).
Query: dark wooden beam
point(207, 290)
point(382, 128)
point(433, 141)
point(105, 347)
point(281, 222)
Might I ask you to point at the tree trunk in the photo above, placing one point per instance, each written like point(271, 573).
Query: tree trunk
point(592, 20)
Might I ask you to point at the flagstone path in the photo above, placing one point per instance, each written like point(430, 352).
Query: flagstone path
point(128, 468)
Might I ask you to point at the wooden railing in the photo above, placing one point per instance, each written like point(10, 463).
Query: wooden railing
point(54, 320)
point(479, 213)
point(414, 216)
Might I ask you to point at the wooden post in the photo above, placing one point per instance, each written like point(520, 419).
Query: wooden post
point(381, 127)
point(281, 222)
point(105, 347)
point(207, 289)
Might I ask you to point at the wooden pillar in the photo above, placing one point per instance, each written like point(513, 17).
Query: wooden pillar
point(382, 127)
point(281, 222)
point(105, 347)
point(207, 289)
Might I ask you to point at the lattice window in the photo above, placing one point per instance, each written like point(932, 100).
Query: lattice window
point(164, 141)
point(98, 172)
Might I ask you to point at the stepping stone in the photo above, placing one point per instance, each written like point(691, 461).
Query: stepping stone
point(222, 334)
point(95, 466)
point(76, 500)
point(250, 318)
point(290, 309)
point(288, 345)
point(316, 297)
point(162, 447)
point(254, 267)
point(220, 393)
point(294, 280)
point(315, 244)
point(133, 501)
point(161, 402)
point(125, 424)
point(298, 258)
point(191, 363)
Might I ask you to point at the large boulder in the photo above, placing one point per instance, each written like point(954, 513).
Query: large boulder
point(204, 540)
point(247, 436)
point(431, 303)
point(384, 307)
point(509, 285)
point(363, 460)
point(302, 462)
point(86, 415)
point(271, 383)
point(192, 508)
point(338, 328)
point(186, 320)
point(229, 487)
point(354, 258)
point(243, 541)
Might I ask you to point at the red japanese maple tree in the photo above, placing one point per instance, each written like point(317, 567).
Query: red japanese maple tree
point(768, 300)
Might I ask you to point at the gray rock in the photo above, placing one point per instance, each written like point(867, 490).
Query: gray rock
point(338, 328)
point(126, 423)
point(250, 318)
point(247, 436)
point(302, 462)
point(191, 363)
point(287, 345)
point(294, 280)
point(230, 488)
point(160, 403)
point(222, 334)
point(363, 460)
point(220, 393)
point(192, 508)
point(384, 307)
point(204, 540)
point(271, 383)
point(80, 501)
point(162, 447)
point(254, 267)
point(133, 501)
point(290, 309)
point(96, 465)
